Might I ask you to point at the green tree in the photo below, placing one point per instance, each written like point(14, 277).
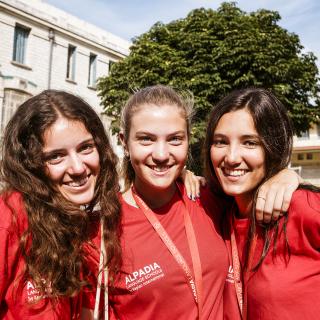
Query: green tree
point(211, 52)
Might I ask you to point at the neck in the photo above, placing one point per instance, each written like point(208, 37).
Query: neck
point(244, 203)
point(155, 198)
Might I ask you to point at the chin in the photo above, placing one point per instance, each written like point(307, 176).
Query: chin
point(80, 199)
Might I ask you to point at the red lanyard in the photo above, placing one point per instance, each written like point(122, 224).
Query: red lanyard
point(241, 286)
point(194, 283)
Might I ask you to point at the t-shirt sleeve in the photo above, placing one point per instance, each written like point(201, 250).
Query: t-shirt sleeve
point(9, 247)
point(4, 262)
point(304, 212)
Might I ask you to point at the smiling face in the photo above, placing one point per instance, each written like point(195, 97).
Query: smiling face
point(71, 160)
point(237, 155)
point(158, 147)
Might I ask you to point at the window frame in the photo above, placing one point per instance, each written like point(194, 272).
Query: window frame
point(71, 63)
point(92, 73)
point(20, 43)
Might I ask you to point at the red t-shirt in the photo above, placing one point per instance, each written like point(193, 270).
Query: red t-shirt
point(280, 290)
point(152, 285)
point(14, 305)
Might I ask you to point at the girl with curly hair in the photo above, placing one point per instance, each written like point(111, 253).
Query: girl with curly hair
point(59, 196)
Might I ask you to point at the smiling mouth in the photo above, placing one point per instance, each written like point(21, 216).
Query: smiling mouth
point(77, 183)
point(234, 172)
point(160, 168)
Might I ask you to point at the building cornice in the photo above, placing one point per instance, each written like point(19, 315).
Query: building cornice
point(29, 13)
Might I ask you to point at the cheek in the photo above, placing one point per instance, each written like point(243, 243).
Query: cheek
point(94, 162)
point(54, 173)
point(215, 156)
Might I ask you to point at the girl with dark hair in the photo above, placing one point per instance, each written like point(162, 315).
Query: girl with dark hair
point(175, 261)
point(275, 270)
point(59, 198)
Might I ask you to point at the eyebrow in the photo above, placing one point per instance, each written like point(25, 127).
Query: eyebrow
point(245, 136)
point(62, 149)
point(150, 133)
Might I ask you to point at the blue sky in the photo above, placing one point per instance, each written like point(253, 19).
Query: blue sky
point(130, 18)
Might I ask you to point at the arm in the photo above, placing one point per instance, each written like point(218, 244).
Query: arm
point(275, 194)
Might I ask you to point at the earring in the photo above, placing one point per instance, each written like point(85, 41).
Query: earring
point(126, 153)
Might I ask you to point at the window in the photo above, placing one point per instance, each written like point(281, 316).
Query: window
point(92, 70)
point(71, 63)
point(21, 35)
point(300, 156)
point(309, 156)
point(11, 100)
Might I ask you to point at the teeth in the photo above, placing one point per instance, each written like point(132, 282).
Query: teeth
point(78, 183)
point(160, 169)
point(234, 173)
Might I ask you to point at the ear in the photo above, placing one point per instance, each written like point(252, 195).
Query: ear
point(124, 145)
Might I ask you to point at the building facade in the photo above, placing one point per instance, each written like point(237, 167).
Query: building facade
point(42, 47)
point(306, 155)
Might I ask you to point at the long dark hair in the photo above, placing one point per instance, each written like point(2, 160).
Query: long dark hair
point(53, 244)
point(275, 131)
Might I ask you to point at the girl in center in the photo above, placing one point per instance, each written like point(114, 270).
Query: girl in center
point(175, 262)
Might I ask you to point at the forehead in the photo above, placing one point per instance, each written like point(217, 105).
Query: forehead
point(149, 117)
point(237, 122)
point(65, 133)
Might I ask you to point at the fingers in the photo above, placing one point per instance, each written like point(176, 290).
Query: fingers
point(192, 184)
point(274, 196)
point(287, 197)
point(187, 182)
point(195, 186)
point(278, 203)
point(271, 204)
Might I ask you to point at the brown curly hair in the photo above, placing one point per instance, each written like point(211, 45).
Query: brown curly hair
point(53, 244)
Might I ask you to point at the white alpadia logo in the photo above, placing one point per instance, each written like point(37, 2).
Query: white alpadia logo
point(143, 276)
point(33, 294)
point(230, 275)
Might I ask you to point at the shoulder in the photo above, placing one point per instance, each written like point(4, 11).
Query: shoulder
point(12, 210)
point(305, 205)
point(305, 199)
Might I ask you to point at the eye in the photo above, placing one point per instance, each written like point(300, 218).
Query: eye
point(54, 158)
point(219, 142)
point(251, 143)
point(176, 140)
point(145, 140)
point(87, 148)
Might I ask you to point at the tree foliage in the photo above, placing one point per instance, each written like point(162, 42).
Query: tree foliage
point(210, 53)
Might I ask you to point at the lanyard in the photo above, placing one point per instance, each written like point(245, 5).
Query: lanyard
point(241, 286)
point(102, 270)
point(194, 283)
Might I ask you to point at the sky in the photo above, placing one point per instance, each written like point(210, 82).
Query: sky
point(130, 18)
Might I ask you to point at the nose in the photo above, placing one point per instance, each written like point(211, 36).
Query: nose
point(160, 152)
point(233, 155)
point(76, 165)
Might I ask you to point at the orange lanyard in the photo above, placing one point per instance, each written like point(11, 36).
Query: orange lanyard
point(241, 286)
point(194, 283)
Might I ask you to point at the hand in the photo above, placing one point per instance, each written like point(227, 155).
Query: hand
point(192, 183)
point(275, 194)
